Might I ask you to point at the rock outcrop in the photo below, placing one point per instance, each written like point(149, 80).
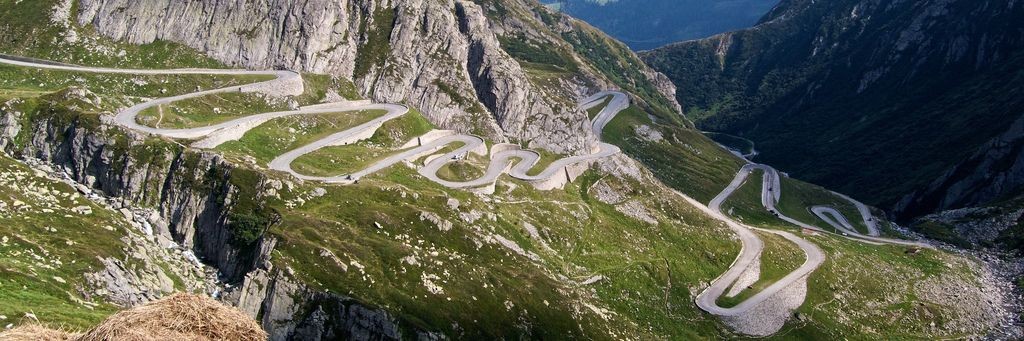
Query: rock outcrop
point(290, 310)
point(9, 125)
point(994, 171)
point(444, 57)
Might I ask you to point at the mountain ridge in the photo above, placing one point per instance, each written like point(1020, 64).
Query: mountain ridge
point(647, 24)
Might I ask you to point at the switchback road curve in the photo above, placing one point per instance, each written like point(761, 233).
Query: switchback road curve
point(740, 316)
point(502, 161)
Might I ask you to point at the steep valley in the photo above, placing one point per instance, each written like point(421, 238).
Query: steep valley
point(616, 247)
point(911, 106)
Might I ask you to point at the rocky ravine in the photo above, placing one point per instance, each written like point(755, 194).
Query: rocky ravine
point(433, 55)
point(192, 197)
point(143, 273)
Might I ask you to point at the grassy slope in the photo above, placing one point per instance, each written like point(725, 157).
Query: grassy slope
point(850, 299)
point(745, 205)
point(202, 111)
point(45, 248)
point(207, 110)
point(316, 87)
point(592, 112)
point(471, 167)
point(488, 282)
point(350, 158)
point(281, 135)
point(798, 197)
point(546, 158)
point(115, 90)
point(460, 171)
point(685, 159)
point(740, 144)
point(851, 314)
point(779, 258)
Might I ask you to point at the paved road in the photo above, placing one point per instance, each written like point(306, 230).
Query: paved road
point(865, 214)
point(834, 218)
point(748, 156)
point(126, 117)
point(773, 184)
point(751, 248)
point(216, 134)
point(501, 160)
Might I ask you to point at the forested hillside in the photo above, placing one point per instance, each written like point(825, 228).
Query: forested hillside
point(877, 99)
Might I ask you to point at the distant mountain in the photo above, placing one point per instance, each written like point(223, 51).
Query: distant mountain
point(647, 24)
point(908, 104)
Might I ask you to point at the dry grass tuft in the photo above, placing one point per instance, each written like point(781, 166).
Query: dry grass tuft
point(179, 317)
point(35, 332)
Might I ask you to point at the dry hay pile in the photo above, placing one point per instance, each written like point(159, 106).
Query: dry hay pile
point(179, 317)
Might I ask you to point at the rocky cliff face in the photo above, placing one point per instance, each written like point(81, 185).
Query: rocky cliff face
point(444, 57)
point(995, 171)
point(289, 310)
point(873, 98)
point(194, 216)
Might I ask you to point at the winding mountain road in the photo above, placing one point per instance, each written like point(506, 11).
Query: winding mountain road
point(773, 184)
point(752, 246)
point(500, 160)
point(290, 83)
point(865, 214)
point(834, 218)
point(738, 152)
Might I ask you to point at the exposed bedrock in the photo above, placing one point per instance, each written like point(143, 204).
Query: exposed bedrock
point(995, 171)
